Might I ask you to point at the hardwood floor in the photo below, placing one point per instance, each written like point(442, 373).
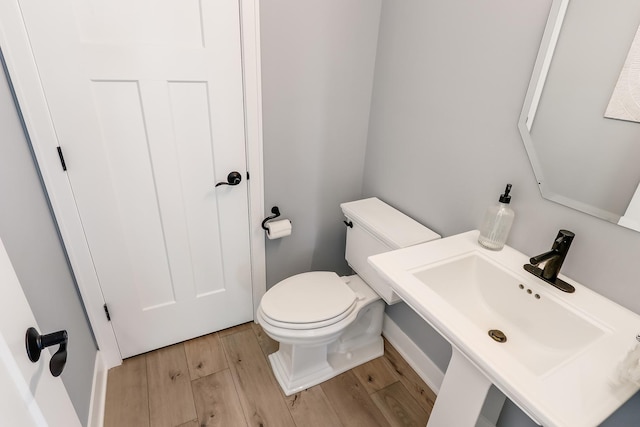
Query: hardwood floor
point(224, 379)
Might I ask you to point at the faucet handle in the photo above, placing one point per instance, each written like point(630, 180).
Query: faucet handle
point(564, 237)
point(566, 234)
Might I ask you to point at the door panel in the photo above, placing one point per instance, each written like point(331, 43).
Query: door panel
point(193, 132)
point(175, 23)
point(147, 101)
point(132, 177)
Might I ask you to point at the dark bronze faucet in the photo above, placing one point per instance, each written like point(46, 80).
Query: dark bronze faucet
point(553, 262)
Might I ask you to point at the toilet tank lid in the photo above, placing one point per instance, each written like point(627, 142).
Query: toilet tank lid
point(394, 228)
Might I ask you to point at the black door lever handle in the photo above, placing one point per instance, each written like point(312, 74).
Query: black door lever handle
point(234, 178)
point(35, 343)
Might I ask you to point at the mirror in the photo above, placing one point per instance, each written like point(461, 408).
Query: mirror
point(582, 159)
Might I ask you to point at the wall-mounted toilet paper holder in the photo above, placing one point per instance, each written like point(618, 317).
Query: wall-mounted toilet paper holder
point(276, 213)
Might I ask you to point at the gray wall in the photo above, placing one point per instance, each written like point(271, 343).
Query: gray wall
point(31, 238)
point(450, 79)
point(317, 72)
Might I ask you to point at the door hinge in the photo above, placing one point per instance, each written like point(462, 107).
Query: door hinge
point(106, 311)
point(64, 165)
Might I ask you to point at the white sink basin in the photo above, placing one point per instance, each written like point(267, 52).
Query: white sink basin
point(563, 350)
point(541, 332)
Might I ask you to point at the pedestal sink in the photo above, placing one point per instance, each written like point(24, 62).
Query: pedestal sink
point(555, 355)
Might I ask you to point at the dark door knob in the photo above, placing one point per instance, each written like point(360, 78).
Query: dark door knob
point(35, 343)
point(234, 178)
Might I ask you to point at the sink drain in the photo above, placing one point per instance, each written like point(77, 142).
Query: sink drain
point(498, 335)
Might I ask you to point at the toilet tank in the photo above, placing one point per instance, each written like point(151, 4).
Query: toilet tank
point(377, 228)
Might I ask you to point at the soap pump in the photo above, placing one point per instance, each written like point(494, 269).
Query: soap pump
point(497, 223)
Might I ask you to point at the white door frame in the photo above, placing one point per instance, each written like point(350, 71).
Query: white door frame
point(14, 42)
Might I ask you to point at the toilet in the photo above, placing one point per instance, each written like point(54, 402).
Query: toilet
point(327, 324)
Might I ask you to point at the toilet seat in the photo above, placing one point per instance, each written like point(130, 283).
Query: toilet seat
point(308, 301)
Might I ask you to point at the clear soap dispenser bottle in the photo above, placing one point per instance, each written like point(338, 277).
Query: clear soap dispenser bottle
point(497, 223)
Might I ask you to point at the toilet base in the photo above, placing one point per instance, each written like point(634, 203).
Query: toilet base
point(336, 364)
point(300, 366)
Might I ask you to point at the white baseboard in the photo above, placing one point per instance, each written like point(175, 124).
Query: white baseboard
point(98, 392)
point(415, 357)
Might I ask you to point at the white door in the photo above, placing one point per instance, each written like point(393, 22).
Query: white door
point(147, 100)
point(29, 394)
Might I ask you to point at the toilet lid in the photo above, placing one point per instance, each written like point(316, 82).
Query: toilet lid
point(308, 298)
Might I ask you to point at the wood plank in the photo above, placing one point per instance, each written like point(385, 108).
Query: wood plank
point(351, 402)
point(217, 402)
point(375, 375)
point(259, 393)
point(205, 356)
point(311, 408)
point(127, 399)
point(192, 423)
point(170, 395)
point(412, 381)
point(267, 344)
point(399, 407)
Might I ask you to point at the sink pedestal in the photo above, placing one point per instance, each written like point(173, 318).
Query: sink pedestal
point(462, 396)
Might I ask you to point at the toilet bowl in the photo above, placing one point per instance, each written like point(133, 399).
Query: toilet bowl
point(315, 351)
point(327, 324)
